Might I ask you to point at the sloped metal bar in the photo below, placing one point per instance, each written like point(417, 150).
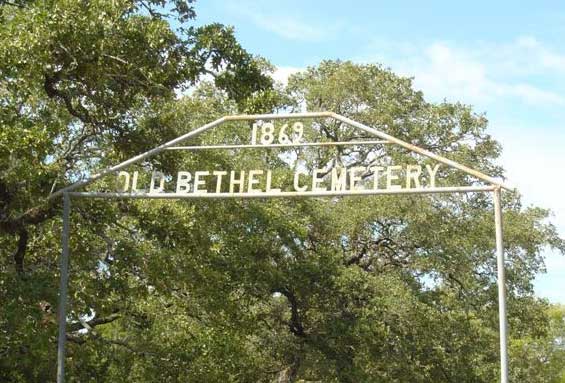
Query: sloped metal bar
point(137, 158)
point(419, 150)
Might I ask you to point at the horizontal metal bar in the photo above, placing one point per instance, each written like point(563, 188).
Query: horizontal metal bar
point(252, 117)
point(436, 190)
point(302, 144)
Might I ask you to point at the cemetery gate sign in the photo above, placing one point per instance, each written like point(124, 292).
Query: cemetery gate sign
point(266, 132)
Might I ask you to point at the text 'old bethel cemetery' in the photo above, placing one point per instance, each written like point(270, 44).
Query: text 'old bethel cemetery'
point(336, 179)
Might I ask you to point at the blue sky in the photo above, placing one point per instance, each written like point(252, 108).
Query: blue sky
point(505, 59)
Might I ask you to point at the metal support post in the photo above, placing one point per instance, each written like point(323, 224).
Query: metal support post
point(63, 290)
point(501, 287)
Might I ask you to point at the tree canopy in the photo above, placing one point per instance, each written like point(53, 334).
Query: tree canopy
point(357, 289)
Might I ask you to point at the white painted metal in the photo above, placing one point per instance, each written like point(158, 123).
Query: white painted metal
point(62, 336)
point(494, 186)
point(294, 194)
point(213, 124)
point(502, 318)
point(301, 144)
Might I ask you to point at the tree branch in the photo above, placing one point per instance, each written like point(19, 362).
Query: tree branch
point(94, 322)
point(79, 112)
point(295, 324)
point(21, 250)
point(13, 4)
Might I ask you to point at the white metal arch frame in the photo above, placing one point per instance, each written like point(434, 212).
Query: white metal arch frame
point(493, 185)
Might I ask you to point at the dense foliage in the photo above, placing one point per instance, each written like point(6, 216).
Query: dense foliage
point(372, 289)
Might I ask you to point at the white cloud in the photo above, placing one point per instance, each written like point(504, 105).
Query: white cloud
point(478, 74)
point(533, 160)
point(550, 285)
point(527, 41)
point(286, 26)
point(289, 28)
point(443, 73)
point(282, 73)
point(532, 95)
point(540, 55)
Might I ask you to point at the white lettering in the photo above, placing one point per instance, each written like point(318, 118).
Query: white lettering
point(268, 186)
point(316, 180)
point(413, 175)
point(239, 181)
point(200, 182)
point(251, 180)
point(134, 181)
point(219, 174)
point(183, 181)
point(126, 180)
point(390, 176)
point(354, 177)
point(376, 175)
point(339, 182)
point(154, 177)
point(297, 187)
point(432, 172)
point(337, 179)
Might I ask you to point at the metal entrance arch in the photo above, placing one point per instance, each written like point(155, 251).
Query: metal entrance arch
point(493, 186)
